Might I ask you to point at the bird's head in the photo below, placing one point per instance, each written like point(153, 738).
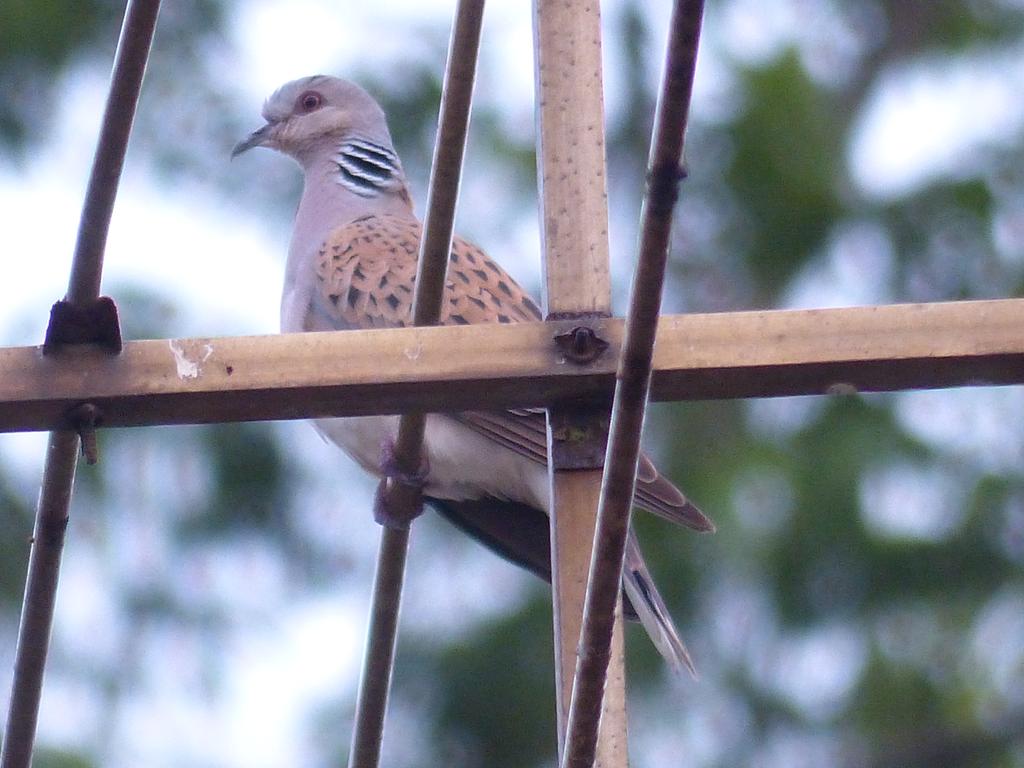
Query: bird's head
point(313, 112)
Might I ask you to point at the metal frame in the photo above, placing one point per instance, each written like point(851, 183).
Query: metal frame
point(579, 356)
point(696, 357)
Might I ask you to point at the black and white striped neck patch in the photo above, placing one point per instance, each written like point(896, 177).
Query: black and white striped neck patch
point(367, 168)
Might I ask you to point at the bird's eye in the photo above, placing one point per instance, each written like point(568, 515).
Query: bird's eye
point(309, 101)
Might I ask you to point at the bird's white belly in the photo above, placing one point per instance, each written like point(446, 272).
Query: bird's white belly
point(463, 464)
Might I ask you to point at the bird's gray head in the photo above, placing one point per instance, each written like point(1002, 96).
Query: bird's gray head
point(327, 122)
point(313, 112)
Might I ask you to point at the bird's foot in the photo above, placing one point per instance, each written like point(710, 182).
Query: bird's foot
point(399, 497)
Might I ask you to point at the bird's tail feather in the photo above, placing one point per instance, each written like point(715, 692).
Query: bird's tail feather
point(520, 533)
point(651, 609)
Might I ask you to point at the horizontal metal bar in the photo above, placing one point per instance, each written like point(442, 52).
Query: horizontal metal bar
point(711, 356)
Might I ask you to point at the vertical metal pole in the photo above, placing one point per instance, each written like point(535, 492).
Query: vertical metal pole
point(633, 385)
point(381, 638)
point(571, 159)
point(404, 500)
point(62, 451)
point(118, 115)
point(40, 595)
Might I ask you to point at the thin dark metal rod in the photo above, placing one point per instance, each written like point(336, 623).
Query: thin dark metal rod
point(445, 175)
point(118, 116)
point(40, 594)
point(633, 386)
point(62, 451)
point(381, 637)
point(402, 499)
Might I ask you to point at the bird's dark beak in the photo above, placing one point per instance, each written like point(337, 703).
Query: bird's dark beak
point(257, 138)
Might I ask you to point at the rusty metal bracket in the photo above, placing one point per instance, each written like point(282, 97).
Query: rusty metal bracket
point(579, 428)
point(581, 344)
point(579, 435)
point(94, 323)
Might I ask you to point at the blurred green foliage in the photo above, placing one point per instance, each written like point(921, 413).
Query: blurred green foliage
point(930, 670)
point(15, 516)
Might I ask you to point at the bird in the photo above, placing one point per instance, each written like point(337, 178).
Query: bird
point(352, 265)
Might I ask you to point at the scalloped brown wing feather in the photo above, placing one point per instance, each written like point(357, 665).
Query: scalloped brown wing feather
point(367, 268)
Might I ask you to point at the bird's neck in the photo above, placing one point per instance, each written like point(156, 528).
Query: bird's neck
point(368, 169)
point(357, 177)
point(353, 179)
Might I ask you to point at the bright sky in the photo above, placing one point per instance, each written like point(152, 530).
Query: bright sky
point(920, 122)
